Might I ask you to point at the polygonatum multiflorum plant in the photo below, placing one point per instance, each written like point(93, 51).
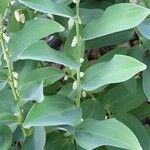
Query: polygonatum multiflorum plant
point(74, 74)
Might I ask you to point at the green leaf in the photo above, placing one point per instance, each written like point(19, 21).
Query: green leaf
point(118, 69)
point(137, 128)
point(91, 134)
point(111, 39)
point(88, 15)
point(144, 28)
point(42, 52)
point(47, 74)
point(57, 141)
point(32, 91)
point(124, 102)
point(54, 110)
point(6, 118)
point(32, 31)
point(36, 141)
point(5, 137)
point(67, 90)
point(76, 51)
point(131, 85)
point(96, 109)
point(3, 5)
point(142, 111)
point(48, 6)
point(123, 16)
point(6, 101)
point(108, 56)
point(146, 78)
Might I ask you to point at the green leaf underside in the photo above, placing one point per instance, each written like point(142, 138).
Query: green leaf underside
point(33, 31)
point(124, 102)
point(5, 137)
point(49, 74)
point(54, 110)
point(42, 52)
point(36, 141)
point(48, 6)
point(91, 134)
point(137, 127)
point(118, 69)
point(123, 16)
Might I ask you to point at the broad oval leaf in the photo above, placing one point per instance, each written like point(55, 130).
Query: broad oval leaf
point(42, 52)
point(32, 31)
point(57, 141)
point(48, 6)
point(91, 134)
point(118, 69)
point(137, 128)
point(36, 141)
point(124, 102)
point(5, 137)
point(116, 18)
point(88, 15)
point(33, 91)
point(47, 74)
point(6, 101)
point(144, 28)
point(93, 109)
point(54, 110)
point(111, 39)
point(146, 78)
point(142, 112)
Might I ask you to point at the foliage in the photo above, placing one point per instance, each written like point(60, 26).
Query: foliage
point(56, 93)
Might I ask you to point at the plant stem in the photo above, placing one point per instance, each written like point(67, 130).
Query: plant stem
point(78, 49)
point(11, 79)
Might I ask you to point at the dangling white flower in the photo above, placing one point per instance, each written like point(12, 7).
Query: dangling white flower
point(66, 78)
point(17, 15)
point(75, 85)
point(81, 74)
point(20, 17)
point(76, 1)
point(84, 94)
point(70, 23)
point(15, 84)
point(81, 60)
point(15, 75)
point(74, 41)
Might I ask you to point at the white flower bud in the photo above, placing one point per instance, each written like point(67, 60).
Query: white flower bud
point(81, 60)
point(74, 41)
point(81, 74)
point(70, 23)
point(15, 83)
point(66, 78)
point(22, 18)
point(19, 17)
point(70, 68)
point(76, 1)
point(82, 120)
point(84, 94)
point(75, 85)
point(5, 58)
point(15, 75)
